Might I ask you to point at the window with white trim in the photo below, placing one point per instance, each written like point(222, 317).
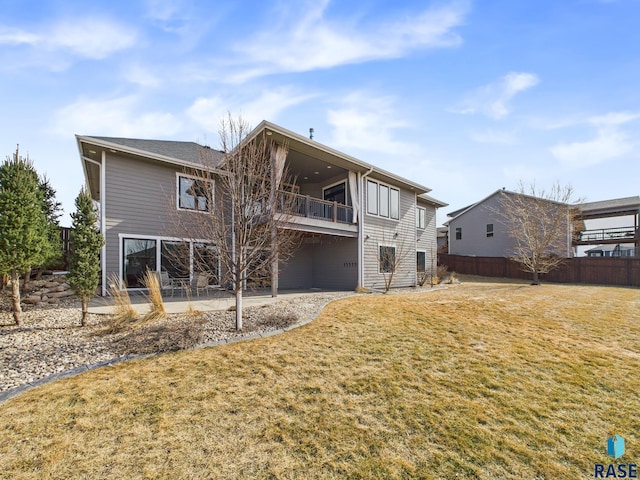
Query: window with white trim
point(387, 258)
point(194, 193)
point(489, 230)
point(421, 217)
point(372, 197)
point(383, 190)
point(383, 200)
point(458, 233)
point(421, 261)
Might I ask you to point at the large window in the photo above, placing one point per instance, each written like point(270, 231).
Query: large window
point(421, 216)
point(193, 194)
point(139, 255)
point(383, 200)
point(387, 259)
point(394, 203)
point(336, 193)
point(205, 260)
point(179, 259)
point(174, 258)
point(372, 197)
point(421, 261)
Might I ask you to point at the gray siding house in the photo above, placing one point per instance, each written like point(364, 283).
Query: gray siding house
point(354, 212)
point(478, 230)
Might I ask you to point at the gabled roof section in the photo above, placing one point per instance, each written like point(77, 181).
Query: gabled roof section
point(457, 213)
point(424, 198)
point(613, 207)
point(181, 153)
point(304, 144)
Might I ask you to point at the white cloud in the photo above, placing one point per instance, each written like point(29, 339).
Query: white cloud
point(84, 37)
point(606, 145)
point(113, 117)
point(16, 37)
point(495, 137)
point(493, 100)
point(142, 76)
point(307, 40)
point(90, 38)
point(613, 118)
point(268, 105)
point(368, 123)
point(611, 141)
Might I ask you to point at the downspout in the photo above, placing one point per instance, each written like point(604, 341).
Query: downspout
point(361, 178)
point(103, 222)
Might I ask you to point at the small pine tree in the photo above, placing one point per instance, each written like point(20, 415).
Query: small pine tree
point(52, 212)
point(23, 237)
point(85, 243)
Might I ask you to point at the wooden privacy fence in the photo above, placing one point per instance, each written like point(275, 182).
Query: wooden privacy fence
point(590, 270)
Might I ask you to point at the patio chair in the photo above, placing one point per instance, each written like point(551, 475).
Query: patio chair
point(202, 283)
point(166, 283)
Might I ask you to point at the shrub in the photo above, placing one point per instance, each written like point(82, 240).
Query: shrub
point(154, 295)
point(124, 313)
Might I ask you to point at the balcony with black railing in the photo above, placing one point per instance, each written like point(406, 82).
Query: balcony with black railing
point(608, 235)
point(308, 207)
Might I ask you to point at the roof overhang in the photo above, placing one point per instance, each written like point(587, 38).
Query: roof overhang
point(309, 147)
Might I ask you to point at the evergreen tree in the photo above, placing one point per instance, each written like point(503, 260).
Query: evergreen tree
point(85, 243)
point(23, 237)
point(52, 211)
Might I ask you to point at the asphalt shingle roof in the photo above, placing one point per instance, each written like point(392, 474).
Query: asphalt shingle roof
point(185, 151)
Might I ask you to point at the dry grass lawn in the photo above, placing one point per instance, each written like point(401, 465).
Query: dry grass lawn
point(482, 380)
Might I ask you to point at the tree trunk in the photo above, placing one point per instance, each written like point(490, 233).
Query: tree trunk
point(239, 309)
point(39, 273)
point(27, 277)
point(536, 280)
point(85, 304)
point(274, 264)
point(15, 289)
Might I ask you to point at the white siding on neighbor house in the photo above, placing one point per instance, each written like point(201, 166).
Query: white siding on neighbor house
point(381, 231)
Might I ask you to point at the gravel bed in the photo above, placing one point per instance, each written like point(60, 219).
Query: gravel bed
point(51, 341)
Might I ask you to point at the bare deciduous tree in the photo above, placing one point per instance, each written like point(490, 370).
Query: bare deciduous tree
point(539, 222)
point(242, 215)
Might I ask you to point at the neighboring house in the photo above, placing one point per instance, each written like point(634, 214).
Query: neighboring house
point(352, 214)
point(478, 229)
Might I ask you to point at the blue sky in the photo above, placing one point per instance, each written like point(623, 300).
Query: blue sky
point(464, 97)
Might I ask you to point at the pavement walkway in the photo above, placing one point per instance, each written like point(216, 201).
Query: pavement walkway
point(204, 303)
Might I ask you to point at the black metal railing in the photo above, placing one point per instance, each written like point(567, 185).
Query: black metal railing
point(604, 234)
point(310, 207)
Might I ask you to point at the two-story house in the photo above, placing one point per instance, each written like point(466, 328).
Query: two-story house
point(353, 215)
point(480, 229)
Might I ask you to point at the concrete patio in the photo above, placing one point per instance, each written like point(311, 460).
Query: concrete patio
point(204, 303)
